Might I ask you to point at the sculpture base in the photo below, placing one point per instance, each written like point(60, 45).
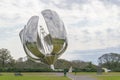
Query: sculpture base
point(52, 67)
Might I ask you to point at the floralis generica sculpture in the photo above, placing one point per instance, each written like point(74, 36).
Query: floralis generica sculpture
point(44, 44)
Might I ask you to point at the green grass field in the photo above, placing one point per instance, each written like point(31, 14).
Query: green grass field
point(53, 76)
point(104, 76)
point(32, 76)
point(109, 76)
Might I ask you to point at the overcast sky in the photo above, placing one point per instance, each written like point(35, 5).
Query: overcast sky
point(93, 26)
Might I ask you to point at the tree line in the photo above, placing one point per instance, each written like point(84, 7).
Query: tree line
point(8, 64)
point(110, 61)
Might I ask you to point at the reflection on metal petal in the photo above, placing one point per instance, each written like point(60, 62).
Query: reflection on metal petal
point(42, 46)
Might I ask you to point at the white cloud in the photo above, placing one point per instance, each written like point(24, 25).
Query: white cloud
point(13, 44)
point(97, 18)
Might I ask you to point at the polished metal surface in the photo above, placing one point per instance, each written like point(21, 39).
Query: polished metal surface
point(42, 46)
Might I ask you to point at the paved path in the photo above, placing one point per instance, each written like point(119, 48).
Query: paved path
point(76, 77)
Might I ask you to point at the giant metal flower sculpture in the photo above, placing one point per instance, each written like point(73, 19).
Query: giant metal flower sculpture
point(41, 45)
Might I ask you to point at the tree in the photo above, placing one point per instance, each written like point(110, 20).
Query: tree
point(26, 63)
point(11, 63)
point(90, 67)
point(5, 57)
point(110, 61)
point(62, 64)
point(79, 64)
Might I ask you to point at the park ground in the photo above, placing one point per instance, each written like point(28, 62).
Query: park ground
point(96, 76)
point(60, 76)
point(32, 76)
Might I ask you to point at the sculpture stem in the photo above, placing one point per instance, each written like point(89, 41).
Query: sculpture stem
point(52, 67)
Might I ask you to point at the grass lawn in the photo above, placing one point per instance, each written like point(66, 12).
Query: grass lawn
point(52, 76)
point(104, 76)
point(109, 76)
point(32, 76)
